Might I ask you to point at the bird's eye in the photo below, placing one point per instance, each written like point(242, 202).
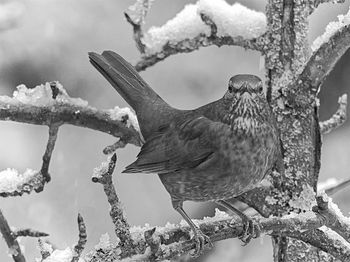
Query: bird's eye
point(260, 88)
point(230, 87)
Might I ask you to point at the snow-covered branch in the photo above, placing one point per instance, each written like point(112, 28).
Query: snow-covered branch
point(315, 3)
point(188, 31)
point(328, 48)
point(333, 186)
point(50, 104)
point(337, 221)
point(338, 118)
point(173, 240)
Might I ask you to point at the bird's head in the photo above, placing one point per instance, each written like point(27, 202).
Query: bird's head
point(245, 85)
point(245, 98)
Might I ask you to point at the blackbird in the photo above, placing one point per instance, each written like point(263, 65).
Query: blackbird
point(212, 153)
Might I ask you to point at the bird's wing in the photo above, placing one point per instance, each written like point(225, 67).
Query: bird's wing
point(180, 146)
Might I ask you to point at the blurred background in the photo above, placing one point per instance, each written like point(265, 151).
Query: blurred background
point(48, 40)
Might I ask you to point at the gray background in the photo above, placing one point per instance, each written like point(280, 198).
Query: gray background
point(51, 42)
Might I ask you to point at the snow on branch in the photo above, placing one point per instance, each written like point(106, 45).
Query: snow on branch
point(337, 221)
point(50, 104)
point(188, 31)
point(338, 118)
point(316, 3)
point(328, 48)
point(171, 241)
point(332, 186)
point(49, 254)
point(12, 183)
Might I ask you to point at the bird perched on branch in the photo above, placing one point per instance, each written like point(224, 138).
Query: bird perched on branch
point(212, 153)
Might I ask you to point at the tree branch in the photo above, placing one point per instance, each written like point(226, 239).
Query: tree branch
point(79, 247)
point(12, 243)
point(173, 45)
point(171, 241)
point(336, 220)
point(337, 187)
point(103, 175)
point(316, 3)
point(28, 233)
point(60, 113)
point(320, 64)
point(338, 118)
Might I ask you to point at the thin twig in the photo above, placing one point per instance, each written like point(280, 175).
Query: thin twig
point(28, 233)
point(136, 15)
point(103, 175)
point(190, 45)
point(110, 149)
point(336, 188)
point(338, 118)
point(53, 131)
point(12, 243)
point(79, 247)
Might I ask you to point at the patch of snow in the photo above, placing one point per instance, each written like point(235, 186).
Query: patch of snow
point(11, 179)
point(331, 29)
point(42, 96)
point(104, 242)
point(233, 20)
point(186, 24)
point(124, 114)
point(60, 256)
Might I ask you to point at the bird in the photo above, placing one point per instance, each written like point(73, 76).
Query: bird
point(212, 153)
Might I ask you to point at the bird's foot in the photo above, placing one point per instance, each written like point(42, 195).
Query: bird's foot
point(250, 230)
point(202, 242)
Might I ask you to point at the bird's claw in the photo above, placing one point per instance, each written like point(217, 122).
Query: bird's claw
point(202, 242)
point(250, 230)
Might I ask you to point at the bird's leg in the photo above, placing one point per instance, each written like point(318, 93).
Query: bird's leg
point(200, 238)
point(250, 230)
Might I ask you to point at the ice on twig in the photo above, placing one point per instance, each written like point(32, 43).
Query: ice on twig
point(231, 20)
point(331, 29)
point(124, 114)
point(11, 180)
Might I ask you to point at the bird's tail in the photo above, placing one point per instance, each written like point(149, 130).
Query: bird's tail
point(126, 80)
